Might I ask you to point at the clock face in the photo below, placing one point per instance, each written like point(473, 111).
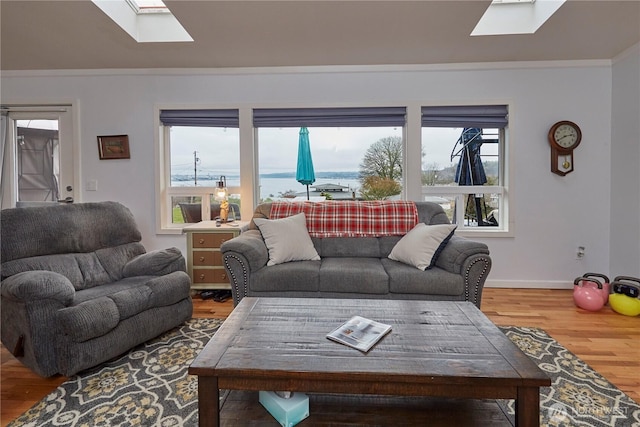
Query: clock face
point(566, 136)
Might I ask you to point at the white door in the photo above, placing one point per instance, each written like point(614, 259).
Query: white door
point(38, 164)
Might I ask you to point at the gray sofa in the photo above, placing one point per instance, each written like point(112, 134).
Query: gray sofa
point(358, 267)
point(78, 287)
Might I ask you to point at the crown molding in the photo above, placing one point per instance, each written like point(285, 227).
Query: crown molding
point(311, 69)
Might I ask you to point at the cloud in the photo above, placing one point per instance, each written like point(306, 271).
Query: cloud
point(333, 149)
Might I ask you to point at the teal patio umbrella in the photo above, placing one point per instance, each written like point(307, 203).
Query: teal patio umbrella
point(304, 173)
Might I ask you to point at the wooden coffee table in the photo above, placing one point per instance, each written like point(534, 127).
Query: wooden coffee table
point(439, 349)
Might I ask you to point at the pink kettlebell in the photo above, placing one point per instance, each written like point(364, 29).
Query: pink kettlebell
point(606, 286)
point(589, 293)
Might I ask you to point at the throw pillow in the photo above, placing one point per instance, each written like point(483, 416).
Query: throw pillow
point(421, 246)
point(287, 239)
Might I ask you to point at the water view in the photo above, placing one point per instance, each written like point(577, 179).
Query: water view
point(275, 184)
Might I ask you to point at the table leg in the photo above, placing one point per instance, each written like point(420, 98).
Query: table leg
point(527, 407)
point(208, 402)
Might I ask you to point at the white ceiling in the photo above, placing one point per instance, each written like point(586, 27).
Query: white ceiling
point(49, 35)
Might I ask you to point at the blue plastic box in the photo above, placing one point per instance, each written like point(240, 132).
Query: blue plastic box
point(288, 412)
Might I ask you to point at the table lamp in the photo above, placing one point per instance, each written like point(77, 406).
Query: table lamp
point(220, 195)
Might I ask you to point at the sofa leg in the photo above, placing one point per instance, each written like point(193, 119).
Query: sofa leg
point(18, 350)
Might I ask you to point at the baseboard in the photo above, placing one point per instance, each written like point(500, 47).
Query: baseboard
point(528, 284)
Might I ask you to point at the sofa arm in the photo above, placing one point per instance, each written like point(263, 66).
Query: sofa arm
point(471, 260)
point(455, 253)
point(241, 256)
point(37, 285)
point(249, 244)
point(155, 263)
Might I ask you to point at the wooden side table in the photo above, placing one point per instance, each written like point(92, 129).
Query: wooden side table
point(204, 259)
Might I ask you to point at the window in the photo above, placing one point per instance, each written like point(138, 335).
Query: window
point(463, 164)
point(356, 152)
point(256, 150)
point(202, 147)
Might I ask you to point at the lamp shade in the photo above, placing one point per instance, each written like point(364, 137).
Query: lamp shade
point(221, 191)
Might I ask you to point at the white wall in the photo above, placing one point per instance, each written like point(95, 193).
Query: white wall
point(625, 165)
point(553, 214)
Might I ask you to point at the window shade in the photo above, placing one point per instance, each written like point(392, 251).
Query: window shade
point(213, 118)
point(329, 117)
point(471, 116)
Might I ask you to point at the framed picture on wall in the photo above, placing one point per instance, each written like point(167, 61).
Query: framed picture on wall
point(113, 147)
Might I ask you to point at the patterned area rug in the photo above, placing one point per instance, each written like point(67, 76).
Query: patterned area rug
point(150, 387)
point(578, 395)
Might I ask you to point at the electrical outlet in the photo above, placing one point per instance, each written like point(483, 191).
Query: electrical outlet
point(580, 252)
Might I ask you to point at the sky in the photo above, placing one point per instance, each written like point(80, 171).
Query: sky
point(332, 149)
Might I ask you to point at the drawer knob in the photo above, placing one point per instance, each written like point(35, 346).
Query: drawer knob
point(202, 277)
point(201, 241)
point(224, 275)
point(223, 240)
point(201, 259)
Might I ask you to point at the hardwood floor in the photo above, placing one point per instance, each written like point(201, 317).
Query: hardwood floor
point(607, 341)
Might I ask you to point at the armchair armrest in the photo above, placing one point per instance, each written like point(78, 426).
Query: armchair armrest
point(155, 263)
point(30, 303)
point(241, 256)
point(470, 259)
point(36, 285)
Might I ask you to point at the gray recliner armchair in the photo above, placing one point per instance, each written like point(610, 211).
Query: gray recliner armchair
point(78, 288)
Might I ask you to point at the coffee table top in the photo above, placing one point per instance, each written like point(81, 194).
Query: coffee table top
point(435, 347)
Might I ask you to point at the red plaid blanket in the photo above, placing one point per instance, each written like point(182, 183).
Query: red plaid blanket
point(352, 218)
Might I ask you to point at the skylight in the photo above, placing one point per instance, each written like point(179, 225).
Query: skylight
point(515, 16)
point(148, 6)
point(145, 20)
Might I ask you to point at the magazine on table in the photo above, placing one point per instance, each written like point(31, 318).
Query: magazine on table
point(359, 333)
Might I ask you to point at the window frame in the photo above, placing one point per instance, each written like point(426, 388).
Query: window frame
point(412, 188)
point(164, 189)
point(505, 220)
point(334, 117)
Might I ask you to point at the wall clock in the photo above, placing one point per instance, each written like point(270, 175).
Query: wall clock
point(564, 137)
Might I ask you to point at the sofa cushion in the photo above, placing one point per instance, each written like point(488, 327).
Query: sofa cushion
point(287, 239)
point(96, 311)
point(353, 274)
point(387, 243)
point(65, 228)
point(132, 301)
point(168, 289)
point(421, 246)
point(82, 270)
point(349, 247)
point(90, 319)
point(115, 258)
point(405, 279)
point(109, 289)
point(287, 277)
